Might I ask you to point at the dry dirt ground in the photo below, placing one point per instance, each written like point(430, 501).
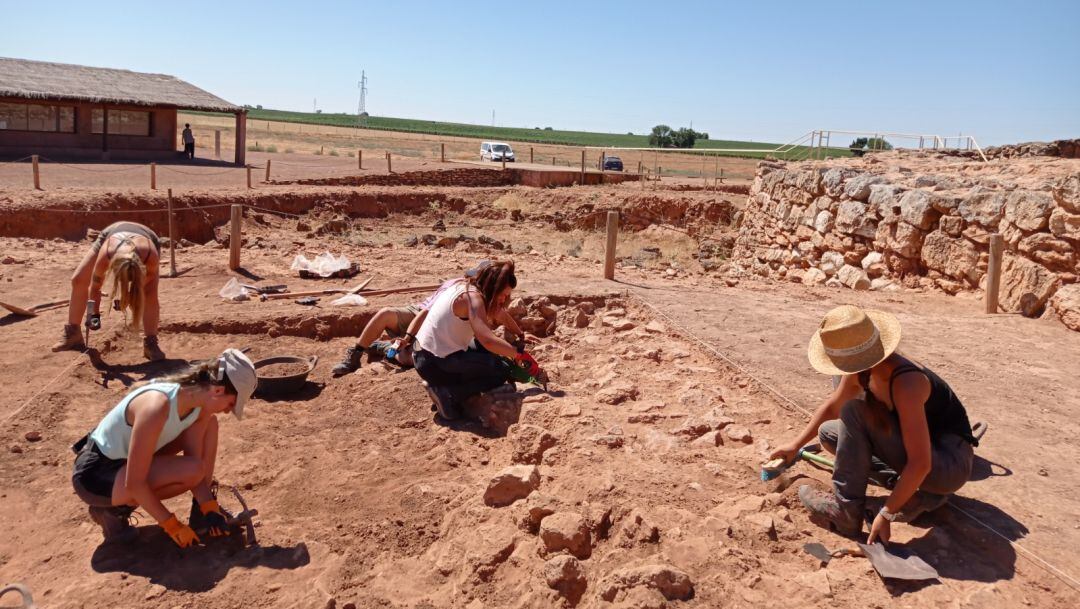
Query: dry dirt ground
point(364, 498)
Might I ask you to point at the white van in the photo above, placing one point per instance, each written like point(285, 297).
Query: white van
point(496, 151)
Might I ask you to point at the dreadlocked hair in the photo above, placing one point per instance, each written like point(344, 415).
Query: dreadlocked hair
point(200, 373)
point(493, 280)
point(128, 275)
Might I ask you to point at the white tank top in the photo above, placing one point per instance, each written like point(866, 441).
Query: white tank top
point(444, 333)
point(113, 434)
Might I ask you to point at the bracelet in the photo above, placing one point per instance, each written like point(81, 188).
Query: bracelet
point(887, 515)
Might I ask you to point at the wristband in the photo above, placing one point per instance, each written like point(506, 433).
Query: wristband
point(887, 515)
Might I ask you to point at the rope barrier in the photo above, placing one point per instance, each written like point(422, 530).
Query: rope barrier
point(199, 173)
point(75, 361)
point(25, 158)
point(128, 211)
point(88, 170)
point(1053, 570)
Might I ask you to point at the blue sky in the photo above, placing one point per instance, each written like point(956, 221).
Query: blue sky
point(765, 71)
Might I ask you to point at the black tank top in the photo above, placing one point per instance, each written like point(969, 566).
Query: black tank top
point(944, 412)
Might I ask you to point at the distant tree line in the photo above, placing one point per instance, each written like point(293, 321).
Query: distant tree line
point(663, 136)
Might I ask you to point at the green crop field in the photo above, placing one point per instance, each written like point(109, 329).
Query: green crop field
point(515, 134)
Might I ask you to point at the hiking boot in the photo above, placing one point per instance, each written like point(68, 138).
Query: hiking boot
point(151, 350)
point(115, 523)
point(825, 511)
point(444, 404)
point(378, 350)
point(350, 363)
point(72, 339)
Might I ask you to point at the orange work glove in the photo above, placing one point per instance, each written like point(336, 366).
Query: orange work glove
point(216, 523)
point(181, 534)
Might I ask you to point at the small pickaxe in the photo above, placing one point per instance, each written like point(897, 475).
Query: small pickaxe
point(244, 517)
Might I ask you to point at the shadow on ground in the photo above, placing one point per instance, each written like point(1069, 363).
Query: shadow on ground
point(198, 569)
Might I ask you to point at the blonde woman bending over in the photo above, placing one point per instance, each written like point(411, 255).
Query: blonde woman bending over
point(128, 254)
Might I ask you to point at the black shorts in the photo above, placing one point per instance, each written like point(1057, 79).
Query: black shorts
point(95, 475)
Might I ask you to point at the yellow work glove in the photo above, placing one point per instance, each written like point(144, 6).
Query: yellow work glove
point(216, 524)
point(181, 533)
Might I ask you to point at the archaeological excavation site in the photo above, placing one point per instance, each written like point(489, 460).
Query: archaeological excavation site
point(670, 318)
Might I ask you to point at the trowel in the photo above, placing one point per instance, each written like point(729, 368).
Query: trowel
point(34, 310)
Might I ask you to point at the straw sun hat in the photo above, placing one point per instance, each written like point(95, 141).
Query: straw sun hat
point(851, 340)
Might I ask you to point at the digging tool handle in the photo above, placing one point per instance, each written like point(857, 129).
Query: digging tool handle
point(419, 288)
point(816, 458)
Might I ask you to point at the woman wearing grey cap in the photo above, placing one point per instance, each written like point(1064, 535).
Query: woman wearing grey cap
point(161, 441)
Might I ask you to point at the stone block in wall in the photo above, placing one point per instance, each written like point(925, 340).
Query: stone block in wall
point(1029, 209)
point(814, 276)
point(945, 203)
point(1067, 194)
point(810, 181)
point(833, 181)
point(824, 204)
point(858, 188)
point(951, 225)
point(823, 222)
point(1011, 235)
point(853, 277)
point(852, 218)
point(983, 206)
point(1066, 304)
point(884, 197)
point(952, 257)
point(906, 240)
point(871, 259)
point(1055, 254)
point(916, 209)
point(1025, 285)
point(831, 262)
point(1064, 224)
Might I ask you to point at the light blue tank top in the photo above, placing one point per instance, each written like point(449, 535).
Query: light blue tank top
point(113, 434)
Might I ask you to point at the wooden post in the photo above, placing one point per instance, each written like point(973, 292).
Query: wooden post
point(235, 238)
point(609, 253)
point(530, 154)
point(267, 171)
point(153, 176)
point(389, 168)
point(248, 167)
point(217, 143)
point(442, 152)
point(37, 173)
point(553, 160)
point(504, 162)
point(716, 171)
point(583, 167)
point(359, 159)
point(993, 273)
point(172, 240)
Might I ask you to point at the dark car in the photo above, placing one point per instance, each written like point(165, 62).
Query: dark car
point(612, 163)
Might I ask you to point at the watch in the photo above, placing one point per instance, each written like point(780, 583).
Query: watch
point(887, 515)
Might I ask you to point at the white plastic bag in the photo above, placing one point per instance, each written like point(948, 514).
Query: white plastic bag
point(233, 291)
point(355, 300)
point(324, 265)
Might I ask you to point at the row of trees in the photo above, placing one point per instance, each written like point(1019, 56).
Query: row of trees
point(663, 136)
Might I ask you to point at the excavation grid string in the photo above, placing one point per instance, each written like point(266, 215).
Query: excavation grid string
point(1069, 580)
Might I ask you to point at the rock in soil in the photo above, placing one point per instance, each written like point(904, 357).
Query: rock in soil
point(738, 433)
point(33, 436)
point(566, 531)
point(666, 579)
point(511, 484)
point(566, 575)
point(530, 442)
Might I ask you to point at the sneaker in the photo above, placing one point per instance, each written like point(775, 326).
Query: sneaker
point(350, 363)
point(825, 511)
point(72, 339)
point(115, 523)
point(444, 404)
point(151, 350)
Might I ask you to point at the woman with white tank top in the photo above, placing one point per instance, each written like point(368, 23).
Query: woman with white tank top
point(452, 368)
point(131, 458)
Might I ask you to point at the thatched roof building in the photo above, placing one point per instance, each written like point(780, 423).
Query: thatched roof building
point(28, 79)
point(72, 110)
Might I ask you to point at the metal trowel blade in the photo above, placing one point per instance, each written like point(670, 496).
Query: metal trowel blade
point(818, 551)
point(897, 562)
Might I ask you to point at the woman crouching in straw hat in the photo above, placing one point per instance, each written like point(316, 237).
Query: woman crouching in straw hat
point(886, 412)
point(132, 459)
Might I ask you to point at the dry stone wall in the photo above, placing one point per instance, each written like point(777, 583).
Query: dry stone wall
point(870, 228)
